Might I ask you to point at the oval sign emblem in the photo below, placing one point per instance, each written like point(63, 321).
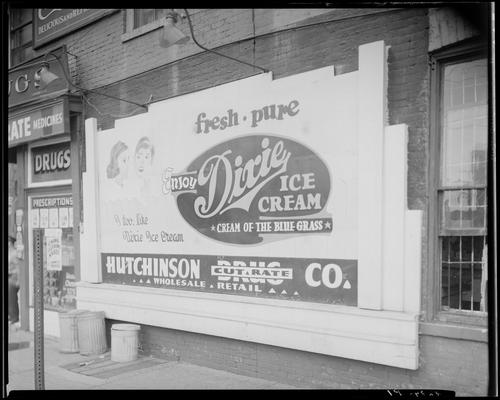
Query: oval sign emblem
point(254, 189)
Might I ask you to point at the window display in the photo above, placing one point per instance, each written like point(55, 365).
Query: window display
point(52, 214)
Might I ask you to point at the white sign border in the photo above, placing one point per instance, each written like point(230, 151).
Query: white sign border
point(384, 329)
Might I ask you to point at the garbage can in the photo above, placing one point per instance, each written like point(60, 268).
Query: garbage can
point(91, 333)
point(68, 331)
point(124, 342)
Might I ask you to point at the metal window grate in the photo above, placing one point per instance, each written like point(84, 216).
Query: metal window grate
point(464, 273)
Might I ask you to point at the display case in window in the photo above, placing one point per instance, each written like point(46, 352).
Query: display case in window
point(53, 216)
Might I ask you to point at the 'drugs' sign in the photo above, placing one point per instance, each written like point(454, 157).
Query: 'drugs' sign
point(251, 183)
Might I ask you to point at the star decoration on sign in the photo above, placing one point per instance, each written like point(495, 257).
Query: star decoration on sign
point(328, 225)
point(212, 228)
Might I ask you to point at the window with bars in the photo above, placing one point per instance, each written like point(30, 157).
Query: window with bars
point(461, 190)
point(21, 35)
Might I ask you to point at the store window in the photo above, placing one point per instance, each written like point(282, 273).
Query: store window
point(13, 191)
point(147, 15)
point(461, 184)
point(143, 20)
point(21, 35)
point(52, 216)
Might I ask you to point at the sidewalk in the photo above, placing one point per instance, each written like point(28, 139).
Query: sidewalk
point(74, 371)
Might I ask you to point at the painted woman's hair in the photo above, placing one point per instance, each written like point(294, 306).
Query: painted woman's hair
point(145, 143)
point(112, 170)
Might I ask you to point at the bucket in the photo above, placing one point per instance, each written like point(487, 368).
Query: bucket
point(124, 342)
point(68, 331)
point(91, 333)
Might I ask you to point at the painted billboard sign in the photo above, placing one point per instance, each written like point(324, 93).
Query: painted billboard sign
point(242, 188)
point(329, 281)
point(267, 173)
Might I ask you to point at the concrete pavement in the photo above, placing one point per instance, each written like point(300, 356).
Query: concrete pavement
point(158, 374)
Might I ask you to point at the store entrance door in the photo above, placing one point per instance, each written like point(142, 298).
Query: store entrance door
point(52, 214)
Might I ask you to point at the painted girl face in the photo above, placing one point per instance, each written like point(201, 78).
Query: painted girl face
point(143, 161)
point(122, 161)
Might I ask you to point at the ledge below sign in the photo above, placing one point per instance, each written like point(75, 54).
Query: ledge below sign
point(37, 123)
point(382, 337)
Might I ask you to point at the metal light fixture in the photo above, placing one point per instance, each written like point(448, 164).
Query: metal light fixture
point(170, 34)
point(47, 77)
point(43, 77)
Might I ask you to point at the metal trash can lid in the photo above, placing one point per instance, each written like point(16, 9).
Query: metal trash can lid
point(78, 311)
point(71, 313)
point(125, 327)
point(91, 314)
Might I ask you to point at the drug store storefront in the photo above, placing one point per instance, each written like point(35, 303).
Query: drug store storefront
point(263, 210)
point(43, 151)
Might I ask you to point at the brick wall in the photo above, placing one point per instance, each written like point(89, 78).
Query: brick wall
point(445, 364)
point(104, 57)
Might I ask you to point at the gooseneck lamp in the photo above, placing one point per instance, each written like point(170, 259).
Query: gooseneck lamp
point(44, 76)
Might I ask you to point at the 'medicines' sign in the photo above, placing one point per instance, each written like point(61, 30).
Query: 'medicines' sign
point(248, 188)
point(40, 122)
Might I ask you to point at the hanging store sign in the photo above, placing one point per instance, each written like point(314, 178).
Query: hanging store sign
point(25, 84)
point(52, 23)
point(49, 163)
point(254, 193)
point(44, 121)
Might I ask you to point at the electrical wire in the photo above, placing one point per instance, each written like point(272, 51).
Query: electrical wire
point(90, 90)
point(215, 52)
point(255, 37)
point(102, 114)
